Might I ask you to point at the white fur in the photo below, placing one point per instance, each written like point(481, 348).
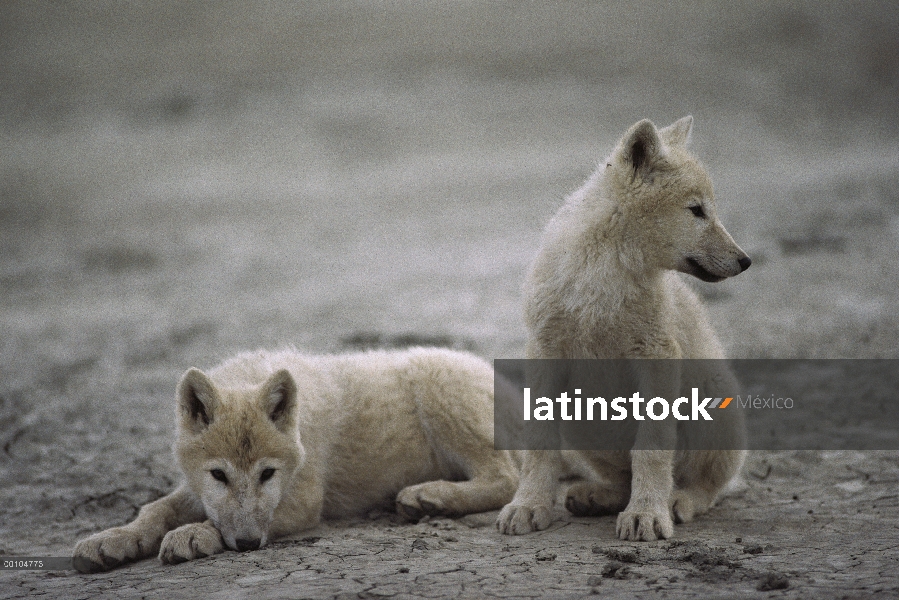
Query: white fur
point(270, 442)
point(603, 286)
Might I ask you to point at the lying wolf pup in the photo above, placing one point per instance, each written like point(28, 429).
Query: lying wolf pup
point(270, 442)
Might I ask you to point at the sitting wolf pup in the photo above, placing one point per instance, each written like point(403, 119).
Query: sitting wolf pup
point(270, 442)
point(603, 286)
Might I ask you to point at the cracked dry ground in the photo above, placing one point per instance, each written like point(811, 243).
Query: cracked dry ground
point(793, 531)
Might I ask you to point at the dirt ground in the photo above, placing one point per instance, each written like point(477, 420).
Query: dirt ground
point(180, 181)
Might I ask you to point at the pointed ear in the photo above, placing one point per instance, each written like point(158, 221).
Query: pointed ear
point(279, 400)
point(197, 401)
point(641, 147)
point(678, 133)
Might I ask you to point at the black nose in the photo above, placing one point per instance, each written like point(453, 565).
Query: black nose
point(744, 263)
point(244, 545)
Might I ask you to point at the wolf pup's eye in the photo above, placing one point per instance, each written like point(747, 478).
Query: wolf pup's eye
point(266, 475)
point(219, 475)
point(697, 211)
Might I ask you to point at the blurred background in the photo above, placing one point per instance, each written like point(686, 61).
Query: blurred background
point(183, 180)
point(247, 174)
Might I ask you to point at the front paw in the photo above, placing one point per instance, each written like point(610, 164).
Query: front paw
point(590, 499)
point(644, 523)
point(517, 519)
point(111, 548)
point(431, 498)
point(189, 542)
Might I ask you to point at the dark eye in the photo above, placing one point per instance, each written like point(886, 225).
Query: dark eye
point(697, 211)
point(219, 475)
point(266, 475)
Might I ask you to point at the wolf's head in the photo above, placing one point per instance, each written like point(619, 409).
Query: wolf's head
point(666, 203)
point(239, 449)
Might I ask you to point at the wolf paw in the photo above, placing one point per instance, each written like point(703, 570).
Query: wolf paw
point(683, 507)
point(111, 548)
point(646, 524)
point(189, 542)
point(417, 501)
point(516, 519)
point(589, 499)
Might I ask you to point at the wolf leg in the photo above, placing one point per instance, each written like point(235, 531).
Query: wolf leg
point(191, 541)
point(647, 516)
point(701, 476)
point(486, 491)
point(596, 499)
point(531, 508)
point(139, 539)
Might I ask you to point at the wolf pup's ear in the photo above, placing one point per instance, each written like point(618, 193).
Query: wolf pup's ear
point(279, 400)
point(641, 147)
point(196, 401)
point(678, 133)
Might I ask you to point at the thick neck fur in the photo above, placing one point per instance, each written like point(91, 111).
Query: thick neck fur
point(601, 271)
